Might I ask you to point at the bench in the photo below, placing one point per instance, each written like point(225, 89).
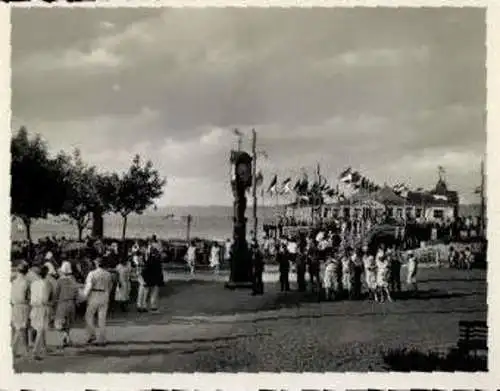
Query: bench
point(473, 337)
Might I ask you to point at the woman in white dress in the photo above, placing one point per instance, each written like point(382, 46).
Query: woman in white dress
point(330, 277)
point(215, 258)
point(383, 271)
point(347, 272)
point(191, 257)
point(370, 273)
point(122, 293)
point(412, 268)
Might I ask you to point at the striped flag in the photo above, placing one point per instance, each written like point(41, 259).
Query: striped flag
point(285, 187)
point(272, 185)
point(297, 185)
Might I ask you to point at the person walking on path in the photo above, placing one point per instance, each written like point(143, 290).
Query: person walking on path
point(124, 286)
point(41, 300)
point(153, 274)
point(19, 296)
point(97, 291)
point(52, 277)
point(65, 298)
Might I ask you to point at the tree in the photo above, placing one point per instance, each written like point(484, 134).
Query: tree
point(134, 191)
point(82, 192)
point(36, 180)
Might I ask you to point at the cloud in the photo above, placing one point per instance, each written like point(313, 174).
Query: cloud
point(391, 92)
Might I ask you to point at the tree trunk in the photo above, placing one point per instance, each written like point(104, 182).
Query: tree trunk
point(80, 227)
point(27, 225)
point(124, 227)
point(97, 224)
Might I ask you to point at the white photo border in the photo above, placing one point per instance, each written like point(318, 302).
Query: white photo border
point(290, 381)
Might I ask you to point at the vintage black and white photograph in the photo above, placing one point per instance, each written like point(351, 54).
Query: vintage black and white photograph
point(248, 190)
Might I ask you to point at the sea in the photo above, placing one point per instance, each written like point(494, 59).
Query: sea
point(208, 222)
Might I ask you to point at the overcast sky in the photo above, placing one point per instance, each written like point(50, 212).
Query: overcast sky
point(391, 92)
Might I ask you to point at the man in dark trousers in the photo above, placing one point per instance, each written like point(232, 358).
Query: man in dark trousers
point(257, 270)
point(395, 271)
point(301, 264)
point(284, 265)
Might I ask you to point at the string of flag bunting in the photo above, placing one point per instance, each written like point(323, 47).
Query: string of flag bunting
point(316, 191)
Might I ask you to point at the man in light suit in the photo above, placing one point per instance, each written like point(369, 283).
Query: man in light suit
point(97, 291)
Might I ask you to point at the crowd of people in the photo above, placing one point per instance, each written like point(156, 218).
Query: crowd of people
point(413, 230)
point(46, 293)
point(344, 267)
point(50, 284)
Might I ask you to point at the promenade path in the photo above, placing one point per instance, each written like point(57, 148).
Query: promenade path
point(205, 328)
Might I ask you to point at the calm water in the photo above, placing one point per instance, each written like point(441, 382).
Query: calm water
point(213, 222)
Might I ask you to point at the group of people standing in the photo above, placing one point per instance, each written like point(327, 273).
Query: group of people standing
point(343, 267)
point(43, 297)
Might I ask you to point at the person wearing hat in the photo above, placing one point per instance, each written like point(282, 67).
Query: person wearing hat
point(65, 298)
point(97, 292)
point(19, 298)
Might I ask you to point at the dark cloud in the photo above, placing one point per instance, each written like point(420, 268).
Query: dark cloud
point(375, 88)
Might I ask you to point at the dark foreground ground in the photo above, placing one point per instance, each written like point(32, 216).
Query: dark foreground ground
point(204, 328)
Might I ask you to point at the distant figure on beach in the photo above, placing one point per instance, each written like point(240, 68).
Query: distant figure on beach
point(215, 257)
point(191, 257)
